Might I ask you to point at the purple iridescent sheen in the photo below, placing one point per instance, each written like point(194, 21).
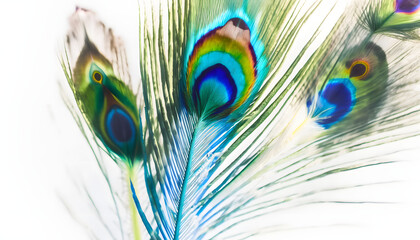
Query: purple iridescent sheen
point(407, 6)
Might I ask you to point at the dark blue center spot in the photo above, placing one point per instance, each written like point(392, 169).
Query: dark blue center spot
point(334, 102)
point(120, 126)
point(223, 76)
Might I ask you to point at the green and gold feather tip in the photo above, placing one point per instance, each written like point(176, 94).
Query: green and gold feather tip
point(397, 18)
point(353, 90)
point(102, 94)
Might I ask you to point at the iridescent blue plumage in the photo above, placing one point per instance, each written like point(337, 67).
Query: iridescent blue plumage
point(120, 127)
point(334, 102)
point(215, 78)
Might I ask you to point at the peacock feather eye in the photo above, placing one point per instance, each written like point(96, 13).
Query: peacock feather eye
point(120, 127)
point(118, 122)
point(221, 70)
point(359, 69)
point(97, 77)
point(99, 85)
point(334, 102)
point(407, 6)
point(348, 93)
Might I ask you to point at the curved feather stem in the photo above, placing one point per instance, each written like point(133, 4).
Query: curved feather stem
point(135, 220)
point(141, 213)
point(183, 191)
point(151, 191)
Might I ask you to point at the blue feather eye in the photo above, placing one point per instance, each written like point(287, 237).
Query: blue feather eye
point(358, 88)
point(334, 102)
point(216, 78)
point(407, 6)
point(221, 70)
point(120, 127)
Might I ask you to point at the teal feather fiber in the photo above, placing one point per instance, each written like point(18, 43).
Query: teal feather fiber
point(242, 111)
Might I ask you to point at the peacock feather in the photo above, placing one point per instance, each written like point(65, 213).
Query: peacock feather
point(236, 110)
point(107, 104)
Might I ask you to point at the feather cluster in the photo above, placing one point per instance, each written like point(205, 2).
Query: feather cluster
point(237, 114)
